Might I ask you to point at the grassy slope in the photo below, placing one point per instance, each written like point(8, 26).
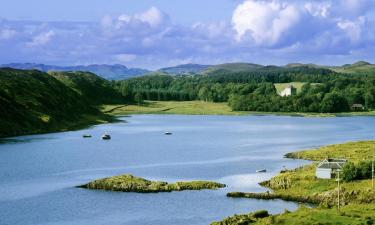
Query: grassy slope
point(129, 183)
point(360, 67)
point(358, 197)
point(36, 102)
point(281, 86)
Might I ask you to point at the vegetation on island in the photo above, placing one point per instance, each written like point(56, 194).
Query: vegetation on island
point(357, 196)
point(130, 183)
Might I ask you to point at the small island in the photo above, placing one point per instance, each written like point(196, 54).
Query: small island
point(130, 183)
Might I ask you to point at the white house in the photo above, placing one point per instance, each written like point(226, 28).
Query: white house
point(288, 91)
point(327, 168)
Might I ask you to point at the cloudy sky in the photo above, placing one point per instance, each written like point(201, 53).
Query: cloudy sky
point(158, 33)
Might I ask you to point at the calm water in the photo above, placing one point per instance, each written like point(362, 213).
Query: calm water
point(38, 173)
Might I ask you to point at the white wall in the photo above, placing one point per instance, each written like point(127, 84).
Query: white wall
point(323, 173)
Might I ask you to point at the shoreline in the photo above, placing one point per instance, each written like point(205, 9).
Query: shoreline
point(86, 121)
point(208, 108)
point(301, 186)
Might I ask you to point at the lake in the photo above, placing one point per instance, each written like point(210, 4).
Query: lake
point(38, 173)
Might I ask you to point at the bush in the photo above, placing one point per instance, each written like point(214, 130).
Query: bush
point(358, 171)
point(261, 214)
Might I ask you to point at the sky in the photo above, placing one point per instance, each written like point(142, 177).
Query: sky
point(159, 33)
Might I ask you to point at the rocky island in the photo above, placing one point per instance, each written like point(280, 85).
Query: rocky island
point(130, 183)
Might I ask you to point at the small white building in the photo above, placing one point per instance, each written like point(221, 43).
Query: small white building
point(288, 91)
point(327, 168)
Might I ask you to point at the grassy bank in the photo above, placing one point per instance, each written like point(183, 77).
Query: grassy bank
point(205, 108)
point(349, 215)
point(301, 185)
point(129, 183)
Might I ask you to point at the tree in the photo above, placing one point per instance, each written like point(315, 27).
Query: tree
point(333, 102)
point(349, 172)
point(203, 94)
point(138, 98)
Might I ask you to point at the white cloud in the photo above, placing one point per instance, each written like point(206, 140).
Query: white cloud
point(261, 31)
point(42, 38)
point(352, 28)
point(154, 17)
point(266, 22)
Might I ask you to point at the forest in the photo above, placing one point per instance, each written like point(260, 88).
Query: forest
point(324, 91)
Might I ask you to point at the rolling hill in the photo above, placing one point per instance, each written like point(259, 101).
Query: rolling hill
point(360, 67)
point(91, 87)
point(35, 102)
point(231, 68)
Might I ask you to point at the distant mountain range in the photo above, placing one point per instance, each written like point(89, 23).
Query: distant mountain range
point(121, 72)
point(109, 72)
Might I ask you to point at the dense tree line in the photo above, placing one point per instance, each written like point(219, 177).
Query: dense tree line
point(324, 90)
point(358, 171)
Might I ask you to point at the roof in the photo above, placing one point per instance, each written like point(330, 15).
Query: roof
point(332, 164)
point(329, 165)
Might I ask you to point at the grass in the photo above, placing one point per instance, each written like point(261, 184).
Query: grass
point(172, 107)
point(349, 215)
point(281, 86)
point(353, 151)
point(298, 85)
point(301, 185)
point(130, 183)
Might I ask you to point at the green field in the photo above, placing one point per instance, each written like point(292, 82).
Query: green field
point(357, 197)
point(281, 86)
point(298, 85)
point(172, 107)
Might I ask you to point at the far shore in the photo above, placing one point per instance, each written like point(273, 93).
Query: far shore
point(206, 108)
point(110, 114)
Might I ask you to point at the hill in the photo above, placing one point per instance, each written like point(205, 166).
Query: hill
point(360, 67)
point(231, 68)
point(35, 102)
point(184, 69)
point(109, 72)
point(92, 88)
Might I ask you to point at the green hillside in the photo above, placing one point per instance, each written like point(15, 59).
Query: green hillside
point(231, 67)
point(35, 102)
point(360, 67)
point(93, 88)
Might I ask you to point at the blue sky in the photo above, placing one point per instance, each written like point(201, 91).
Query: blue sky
point(158, 33)
point(93, 10)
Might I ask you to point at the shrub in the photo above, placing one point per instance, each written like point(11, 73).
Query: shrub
point(261, 214)
point(358, 171)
